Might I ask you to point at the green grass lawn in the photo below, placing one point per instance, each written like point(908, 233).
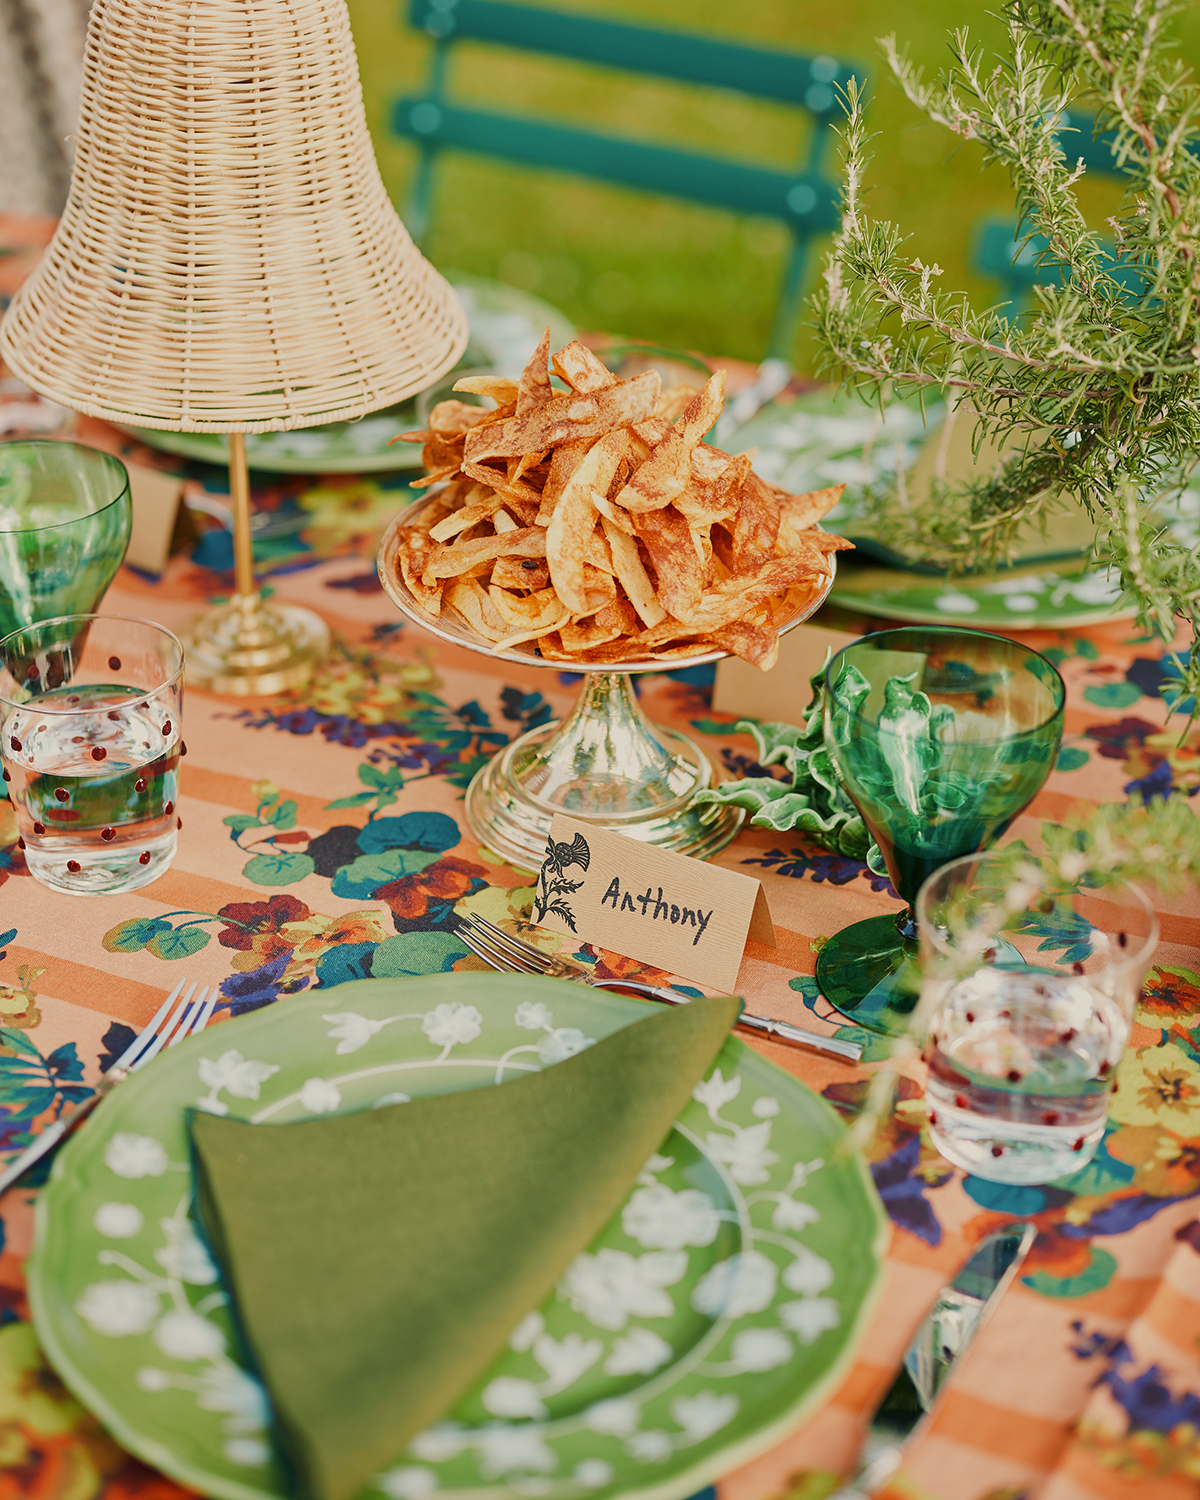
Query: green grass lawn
point(664, 270)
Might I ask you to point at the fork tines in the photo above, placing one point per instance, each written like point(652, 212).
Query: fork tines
point(498, 949)
point(168, 1027)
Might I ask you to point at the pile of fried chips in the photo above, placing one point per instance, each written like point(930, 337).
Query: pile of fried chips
point(598, 525)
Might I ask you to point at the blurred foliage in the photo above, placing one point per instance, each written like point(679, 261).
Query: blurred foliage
point(669, 271)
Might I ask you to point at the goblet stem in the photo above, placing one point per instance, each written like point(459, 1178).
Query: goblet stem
point(605, 763)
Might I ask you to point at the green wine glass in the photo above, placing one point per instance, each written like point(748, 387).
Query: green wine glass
point(65, 513)
point(940, 737)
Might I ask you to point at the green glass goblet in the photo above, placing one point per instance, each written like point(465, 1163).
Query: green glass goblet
point(940, 737)
point(65, 514)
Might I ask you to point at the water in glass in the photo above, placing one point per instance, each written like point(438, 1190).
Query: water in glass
point(1021, 1063)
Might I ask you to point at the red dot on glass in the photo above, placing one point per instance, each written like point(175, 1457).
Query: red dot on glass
point(970, 1017)
point(932, 1117)
point(7, 777)
point(77, 739)
point(1013, 1075)
point(960, 1102)
point(997, 1150)
point(182, 748)
point(178, 822)
point(73, 866)
point(39, 828)
point(108, 834)
point(166, 729)
point(31, 673)
point(169, 809)
point(20, 843)
point(61, 794)
point(1050, 1117)
point(14, 742)
point(140, 784)
point(99, 753)
point(144, 858)
point(1078, 1146)
point(116, 718)
point(114, 663)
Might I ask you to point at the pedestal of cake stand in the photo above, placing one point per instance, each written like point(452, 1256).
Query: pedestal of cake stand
point(605, 764)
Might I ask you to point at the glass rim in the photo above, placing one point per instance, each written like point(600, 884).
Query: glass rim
point(1057, 712)
point(125, 490)
point(1130, 958)
point(174, 677)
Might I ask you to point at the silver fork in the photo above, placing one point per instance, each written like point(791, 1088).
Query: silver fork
point(500, 950)
point(178, 1016)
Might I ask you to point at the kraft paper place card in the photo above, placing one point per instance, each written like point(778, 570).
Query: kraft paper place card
point(781, 695)
point(157, 500)
point(680, 914)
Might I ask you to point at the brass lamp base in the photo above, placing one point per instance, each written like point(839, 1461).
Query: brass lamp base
point(250, 648)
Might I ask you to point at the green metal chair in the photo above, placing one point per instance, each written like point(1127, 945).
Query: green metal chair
point(803, 200)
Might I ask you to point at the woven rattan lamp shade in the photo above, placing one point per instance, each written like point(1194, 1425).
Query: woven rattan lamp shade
point(228, 259)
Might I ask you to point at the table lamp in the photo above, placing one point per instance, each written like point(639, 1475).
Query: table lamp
point(228, 261)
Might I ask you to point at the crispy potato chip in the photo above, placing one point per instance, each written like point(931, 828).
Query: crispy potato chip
point(414, 551)
point(752, 641)
point(598, 527)
point(627, 564)
point(535, 613)
point(578, 366)
point(566, 459)
point(527, 541)
point(799, 513)
point(574, 518)
point(675, 400)
point(472, 603)
point(666, 471)
point(521, 573)
point(677, 566)
point(481, 504)
point(534, 386)
point(563, 418)
point(499, 388)
point(756, 527)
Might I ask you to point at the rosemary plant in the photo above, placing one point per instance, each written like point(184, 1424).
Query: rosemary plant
point(1095, 391)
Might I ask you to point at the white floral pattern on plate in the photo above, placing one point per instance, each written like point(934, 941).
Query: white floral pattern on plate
point(700, 1302)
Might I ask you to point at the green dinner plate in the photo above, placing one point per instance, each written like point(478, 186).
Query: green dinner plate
point(992, 601)
point(506, 325)
point(721, 1304)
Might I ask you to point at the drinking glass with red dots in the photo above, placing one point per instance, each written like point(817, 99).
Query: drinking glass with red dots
point(90, 718)
point(1030, 984)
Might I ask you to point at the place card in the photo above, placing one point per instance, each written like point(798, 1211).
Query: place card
point(157, 511)
point(781, 695)
point(679, 914)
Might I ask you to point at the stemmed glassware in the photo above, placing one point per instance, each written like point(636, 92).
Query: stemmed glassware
point(65, 515)
point(940, 737)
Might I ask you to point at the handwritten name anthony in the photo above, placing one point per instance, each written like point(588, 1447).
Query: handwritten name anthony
point(656, 908)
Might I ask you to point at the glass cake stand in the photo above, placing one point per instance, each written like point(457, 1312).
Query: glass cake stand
point(605, 763)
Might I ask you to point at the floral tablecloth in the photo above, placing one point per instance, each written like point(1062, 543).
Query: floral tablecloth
point(323, 840)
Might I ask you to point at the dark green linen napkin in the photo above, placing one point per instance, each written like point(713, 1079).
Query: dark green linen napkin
point(378, 1261)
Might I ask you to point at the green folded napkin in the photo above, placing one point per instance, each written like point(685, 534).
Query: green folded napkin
point(378, 1261)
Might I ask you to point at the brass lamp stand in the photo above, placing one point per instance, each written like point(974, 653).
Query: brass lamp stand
point(249, 646)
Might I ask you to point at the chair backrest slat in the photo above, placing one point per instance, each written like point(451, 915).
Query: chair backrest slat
point(806, 203)
point(786, 76)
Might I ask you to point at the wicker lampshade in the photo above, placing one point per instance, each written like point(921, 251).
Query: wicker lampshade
point(228, 259)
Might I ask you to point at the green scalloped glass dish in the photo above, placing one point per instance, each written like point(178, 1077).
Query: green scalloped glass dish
point(720, 1305)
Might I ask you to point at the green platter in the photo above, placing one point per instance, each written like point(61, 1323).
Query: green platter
point(720, 1305)
point(1041, 600)
point(506, 325)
